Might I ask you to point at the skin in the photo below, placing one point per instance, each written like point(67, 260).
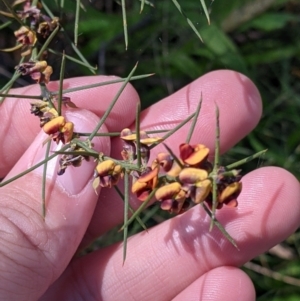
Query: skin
point(176, 260)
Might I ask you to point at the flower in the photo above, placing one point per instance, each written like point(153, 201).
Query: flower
point(39, 108)
point(107, 173)
point(197, 182)
point(129, 149)
point(172, 197)
point(25, 36)
point(146, 182)
point(229, 194)
point(193, 155)
point(39, 71)
point(228, 189)
point(66, 133)
point(165, 160)
point(46, 27)
point(32, 13)
point(191, 175)
point(59, 129)
point(43, 111)
point(71, 159)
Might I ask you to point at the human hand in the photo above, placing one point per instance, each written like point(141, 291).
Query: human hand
point(177, 260)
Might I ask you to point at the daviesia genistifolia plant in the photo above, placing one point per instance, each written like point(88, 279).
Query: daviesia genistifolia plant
point(176, 183)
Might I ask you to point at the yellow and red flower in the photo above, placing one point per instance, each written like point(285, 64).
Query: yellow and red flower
point(59, 129)
point(172, 197)
point(129, 152)
point(39, 71)
point(107, 173)
point(146, 182)
point(193, 155)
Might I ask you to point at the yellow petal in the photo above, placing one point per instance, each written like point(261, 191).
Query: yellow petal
point(47, 73)
point(67, 130)
point(168, 191)
point(202, 191)
point(200, 153)
point(175, 170)
point(229, 191)
point(148, 176)
point(54, 125)
point(117, 170)
point(52, 112)
point(192, 175)
point(151, 140)
point(138, 186)
point(127, 135)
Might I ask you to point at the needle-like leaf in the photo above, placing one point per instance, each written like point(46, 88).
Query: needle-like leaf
point(194, 122)
point(178, 6)
point(215, 170)
point(137, 131)
point(205, 10)
point(245, 160)
point(126, 206)
point(61, 81)
point(110, 107)
point(219, 225)
point(139, 210)
point(77, 12)
point(44, 180)
point(31, 168)
point(124, 23)
point(131, 209)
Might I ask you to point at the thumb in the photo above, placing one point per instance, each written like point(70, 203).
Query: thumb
point(33, 251)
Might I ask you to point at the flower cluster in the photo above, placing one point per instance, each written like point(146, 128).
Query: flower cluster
point(36, 26)
point(108, 172)
point(54, 125)
point(176, 182)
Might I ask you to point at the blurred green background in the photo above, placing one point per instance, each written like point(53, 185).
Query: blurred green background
point(260, 38)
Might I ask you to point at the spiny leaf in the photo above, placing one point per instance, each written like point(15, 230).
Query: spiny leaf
point(205, 10)
point(245, 160)
point(178, 6)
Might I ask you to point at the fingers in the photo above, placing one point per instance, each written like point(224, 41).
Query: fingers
point(240, 109)
point(223, 283)
point(235, 95)
point(173, 255)
point(98, 99)
point(36, 251)
point(19, 127)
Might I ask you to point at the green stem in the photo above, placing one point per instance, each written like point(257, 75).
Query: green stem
point(110, 82)
point(21, 174)
point(107, 112)
point(44, 180)
point(194, 122)
point(126, 205)
point(215, 170)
